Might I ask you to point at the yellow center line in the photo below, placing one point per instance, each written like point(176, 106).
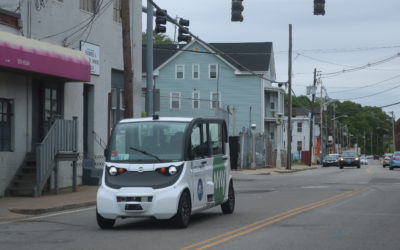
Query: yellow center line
point(268, 221)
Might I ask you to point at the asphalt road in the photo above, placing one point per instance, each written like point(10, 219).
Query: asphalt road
point(325, 208)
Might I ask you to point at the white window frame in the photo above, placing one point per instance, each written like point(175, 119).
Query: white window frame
point(216, 71)
point(85, 5)
point(198, 71)
point(299, 127)
point(196, 99)
point(212, 100)
point(176, 71)
point(171, 95)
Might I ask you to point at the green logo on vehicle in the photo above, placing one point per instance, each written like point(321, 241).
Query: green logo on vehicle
point(219, 179)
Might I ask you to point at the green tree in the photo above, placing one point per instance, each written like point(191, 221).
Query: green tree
point(158, 38)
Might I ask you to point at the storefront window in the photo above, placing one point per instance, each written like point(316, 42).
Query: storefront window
point(5, 124)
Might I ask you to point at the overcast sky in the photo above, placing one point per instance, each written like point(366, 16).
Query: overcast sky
point(353, 33)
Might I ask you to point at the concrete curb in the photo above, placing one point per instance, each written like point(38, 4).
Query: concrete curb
point(269, 171)
point(285, 171)
point(37, 211)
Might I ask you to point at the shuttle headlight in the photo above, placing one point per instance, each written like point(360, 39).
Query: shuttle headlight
point(113, 171)
point(172, 170)
point(168, 171)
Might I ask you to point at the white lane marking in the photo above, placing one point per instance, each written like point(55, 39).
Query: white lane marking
point(48, 215)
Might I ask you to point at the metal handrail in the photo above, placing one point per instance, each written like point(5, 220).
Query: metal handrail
point(62, 136)
point(99, 141)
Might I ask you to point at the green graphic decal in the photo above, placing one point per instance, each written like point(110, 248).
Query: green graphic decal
point(219, 178)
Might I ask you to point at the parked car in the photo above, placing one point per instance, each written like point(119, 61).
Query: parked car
point(395, 160)
point(386, 159)
point(363, 160)
point(349, 158)
point(330, 160)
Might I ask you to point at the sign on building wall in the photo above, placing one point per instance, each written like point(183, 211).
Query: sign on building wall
point(93, 53)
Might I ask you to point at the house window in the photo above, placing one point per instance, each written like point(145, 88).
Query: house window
point(121, 99)
point(175, 98)
point(299, 145)
point(117, 11)
point(299, 127)
point(196, 71)
point(88, 5)
point(212, 71)
point(5, 124)
point(180, 71)
point(215, 100)
point(196, 100)
point(272, 105)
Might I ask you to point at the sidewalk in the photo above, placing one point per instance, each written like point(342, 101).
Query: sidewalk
point(14, 208)
point(267, 171)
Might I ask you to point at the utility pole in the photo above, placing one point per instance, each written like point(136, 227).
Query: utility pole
point(136, 27)
point(149, 59)
point(365, 150)
point(312, 116)
point(126, 47)
point(393, 133)
point(321, 127)
point(289, 126)
point(334, 128)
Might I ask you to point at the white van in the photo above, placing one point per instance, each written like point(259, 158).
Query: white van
point(165, 168)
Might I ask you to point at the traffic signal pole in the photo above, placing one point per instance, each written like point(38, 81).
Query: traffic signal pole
point(149, 60)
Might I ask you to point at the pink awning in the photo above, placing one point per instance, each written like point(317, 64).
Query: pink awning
point(26, 54)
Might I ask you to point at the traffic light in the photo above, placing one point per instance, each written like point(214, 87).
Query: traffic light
point(237, 8)
point(183, 35)
point(319, 7)
point(161, 21)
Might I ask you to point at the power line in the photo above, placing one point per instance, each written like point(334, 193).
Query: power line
point(341, 50)
point(336, 73)
point(361, 97)
point(385, 106)
point(97, 13)
point(367, 86)
point(85, 22)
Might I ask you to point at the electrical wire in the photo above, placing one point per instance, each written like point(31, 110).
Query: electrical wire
point(336, 73)
point(85, 22)
point(98, 12)
point(367, 86)
point(361, 97)
point(172, 20)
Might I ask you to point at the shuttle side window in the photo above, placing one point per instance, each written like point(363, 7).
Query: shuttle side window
point(216, 138)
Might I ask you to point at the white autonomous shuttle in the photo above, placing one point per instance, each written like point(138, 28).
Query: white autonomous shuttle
point(165, 168)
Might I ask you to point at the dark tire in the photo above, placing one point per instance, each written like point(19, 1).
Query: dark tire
point(182, 217)
point(103, 222)
point(358, 166)
point(384, 166)
point(229, 206)
point(391, 168)
point(340, 166)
